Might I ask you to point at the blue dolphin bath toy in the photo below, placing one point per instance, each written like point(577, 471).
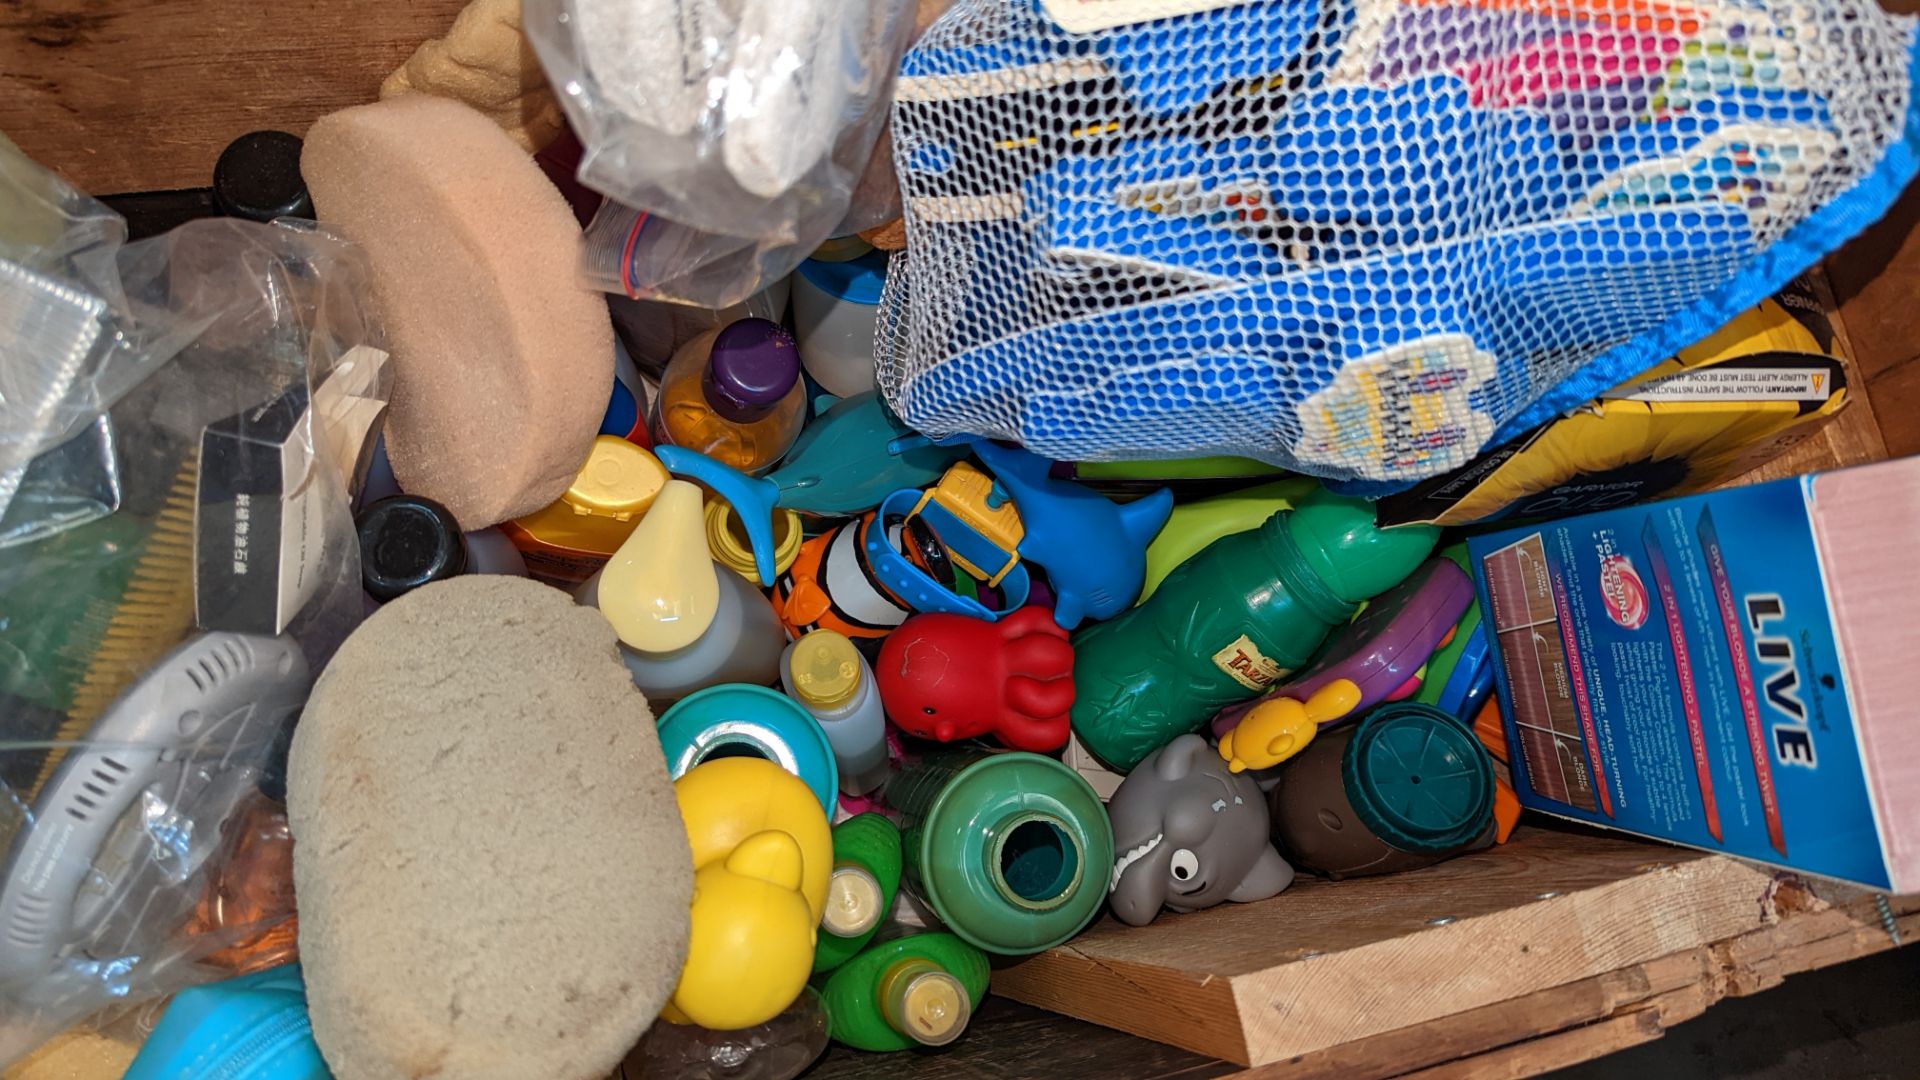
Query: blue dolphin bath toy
point(1094, 550)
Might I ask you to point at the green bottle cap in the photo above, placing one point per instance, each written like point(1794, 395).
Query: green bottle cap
point(1012, 853)
point(1418, 779)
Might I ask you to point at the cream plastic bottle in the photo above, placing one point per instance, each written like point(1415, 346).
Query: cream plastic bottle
point(685, 623)
point(826, 674)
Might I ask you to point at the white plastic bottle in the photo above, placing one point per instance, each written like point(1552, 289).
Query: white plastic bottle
point(685, 622)
point(835, 308)
point(825, 673)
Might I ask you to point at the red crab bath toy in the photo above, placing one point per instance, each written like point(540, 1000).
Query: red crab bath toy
point(950, 677)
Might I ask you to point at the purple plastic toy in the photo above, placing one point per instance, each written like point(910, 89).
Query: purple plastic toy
point(1383, 650)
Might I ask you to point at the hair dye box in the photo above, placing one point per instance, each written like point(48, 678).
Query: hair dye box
point(1731, 671)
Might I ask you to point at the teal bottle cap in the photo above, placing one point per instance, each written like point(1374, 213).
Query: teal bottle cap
point(737, 720)
point(1015, 852)
point(1418, 778)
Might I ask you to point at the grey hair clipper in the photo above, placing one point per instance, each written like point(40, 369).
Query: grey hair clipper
point(125, 824)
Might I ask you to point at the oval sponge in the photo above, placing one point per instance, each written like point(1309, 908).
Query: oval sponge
point(492, 875)
point(502, 361)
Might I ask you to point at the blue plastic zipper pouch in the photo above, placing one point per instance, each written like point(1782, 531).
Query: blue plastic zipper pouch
point(251, 1028)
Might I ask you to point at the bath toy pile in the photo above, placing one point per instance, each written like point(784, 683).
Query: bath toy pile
point(855, 642)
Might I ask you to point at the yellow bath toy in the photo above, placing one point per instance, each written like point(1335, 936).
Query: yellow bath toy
point(726, 800)
point(762, 859)
point(750, 948)
point(1279, 728)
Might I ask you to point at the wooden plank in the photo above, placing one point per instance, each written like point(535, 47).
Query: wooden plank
point(138, 95)
point(1553, 1052)
point(1327, 964)
point(1810, 933)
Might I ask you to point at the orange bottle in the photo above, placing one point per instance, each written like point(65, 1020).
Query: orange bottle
point(248, 900)
point(733, 394)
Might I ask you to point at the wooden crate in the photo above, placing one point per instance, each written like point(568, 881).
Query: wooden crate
point(1559, 947)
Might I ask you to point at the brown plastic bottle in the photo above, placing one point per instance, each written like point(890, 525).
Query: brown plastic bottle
point(1405, 787)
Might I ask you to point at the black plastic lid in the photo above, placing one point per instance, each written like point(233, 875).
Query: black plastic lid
point(258, 178)
point(405, 542)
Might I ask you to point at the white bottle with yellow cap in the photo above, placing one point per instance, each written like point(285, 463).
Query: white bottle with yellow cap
point(684, 622)
point(825, 673)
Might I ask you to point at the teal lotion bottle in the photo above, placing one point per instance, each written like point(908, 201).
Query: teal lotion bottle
point(1010, 850)
point(1232, 621)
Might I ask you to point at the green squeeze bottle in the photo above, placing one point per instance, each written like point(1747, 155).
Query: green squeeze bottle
point(912, 991)
point(1230, 622)
point(866, 875)
point(1011, 850)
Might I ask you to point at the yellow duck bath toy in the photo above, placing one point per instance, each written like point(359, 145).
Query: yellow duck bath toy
point(1279, 728)
point(762, 857)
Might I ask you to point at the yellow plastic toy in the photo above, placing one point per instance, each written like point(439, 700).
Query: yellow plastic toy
point(750, 949)
point(1278, 728)
point(762, 859)
point(967, 493)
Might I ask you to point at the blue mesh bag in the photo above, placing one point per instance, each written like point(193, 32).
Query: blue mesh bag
point(1361, 239)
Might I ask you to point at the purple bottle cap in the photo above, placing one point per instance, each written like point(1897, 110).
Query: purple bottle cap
point(754, 364)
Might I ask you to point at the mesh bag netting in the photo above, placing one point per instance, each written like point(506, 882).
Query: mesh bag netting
point(1363, 238)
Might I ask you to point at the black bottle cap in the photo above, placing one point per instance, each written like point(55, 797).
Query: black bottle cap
point(405, 542)
point(258, 178)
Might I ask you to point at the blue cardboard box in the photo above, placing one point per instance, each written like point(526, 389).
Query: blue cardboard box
point(1677, 670)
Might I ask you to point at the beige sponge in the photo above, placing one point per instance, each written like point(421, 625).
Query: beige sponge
point(492, 874)
point(502, 361)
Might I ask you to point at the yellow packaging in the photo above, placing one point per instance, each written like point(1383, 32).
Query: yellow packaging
point(1765, 382)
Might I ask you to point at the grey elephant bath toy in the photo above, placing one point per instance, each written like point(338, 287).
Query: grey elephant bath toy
point(1189, 834)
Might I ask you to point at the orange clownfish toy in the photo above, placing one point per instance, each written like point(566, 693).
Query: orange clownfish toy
point(830, 586)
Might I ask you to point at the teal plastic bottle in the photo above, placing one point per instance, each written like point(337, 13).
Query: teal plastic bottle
point(866, 878)
point(912, 991)
point(1010, 850)
point(1230, 622)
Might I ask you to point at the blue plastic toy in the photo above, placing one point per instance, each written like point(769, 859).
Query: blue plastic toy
point(852, 456)
point(1094, 550)
point(735, 718)
point(915, 587)
point(251, 1028)
point(1471, 679)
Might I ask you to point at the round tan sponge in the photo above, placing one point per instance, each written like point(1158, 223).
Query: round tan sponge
point(502, 361)
point(492, 874)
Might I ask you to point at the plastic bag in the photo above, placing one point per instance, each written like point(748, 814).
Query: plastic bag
point(733, 133)
point(1359, 239)
point(179, 560)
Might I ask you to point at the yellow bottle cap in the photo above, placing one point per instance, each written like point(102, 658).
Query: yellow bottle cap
point(853, 902)
point(660, 590)
point(825, 668)
point(606, 500)
point(727, 540)
point(929, 1006)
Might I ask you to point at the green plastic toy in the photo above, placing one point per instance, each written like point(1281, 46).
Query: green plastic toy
point(911, 991)
point(1232, 621)
point(866, 878)
point(1194, 525)
point(1011, 850)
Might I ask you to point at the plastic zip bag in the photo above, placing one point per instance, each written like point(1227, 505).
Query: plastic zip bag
point(732, 133)
point(177, 557)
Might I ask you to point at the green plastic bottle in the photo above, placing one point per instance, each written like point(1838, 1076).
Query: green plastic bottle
point(911, 991)
point(866, 877)
point(1011, 850)
point(1230, 622)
